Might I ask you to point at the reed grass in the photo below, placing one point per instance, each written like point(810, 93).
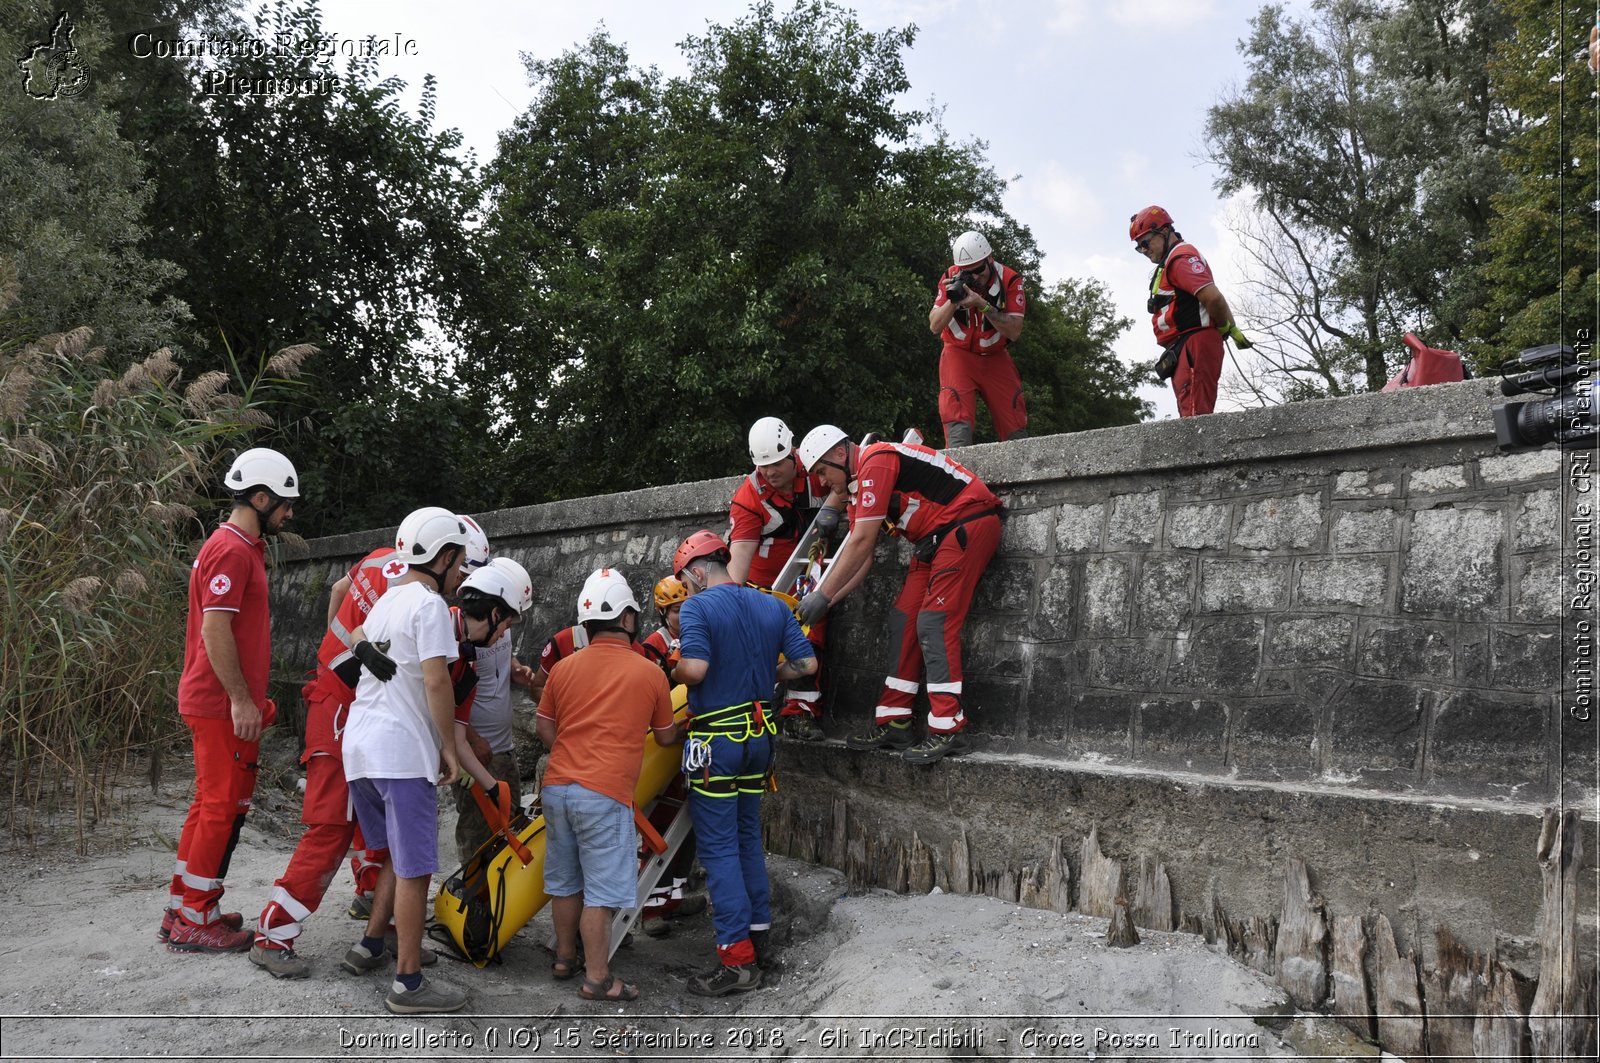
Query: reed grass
point(103, 478)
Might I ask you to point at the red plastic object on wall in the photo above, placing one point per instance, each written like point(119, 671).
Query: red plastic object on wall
point(1428, 365)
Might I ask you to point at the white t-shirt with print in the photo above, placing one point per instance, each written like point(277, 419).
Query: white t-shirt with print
point(391, 734)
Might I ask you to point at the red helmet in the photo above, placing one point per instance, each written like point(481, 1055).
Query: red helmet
point(1147, 219)
point(702, 543)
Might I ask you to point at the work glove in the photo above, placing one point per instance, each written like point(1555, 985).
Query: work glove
point(463, 687)
point(812, 607)
point(493, 795)
point(1237, 336)
point(374, 660)
point(827, 520)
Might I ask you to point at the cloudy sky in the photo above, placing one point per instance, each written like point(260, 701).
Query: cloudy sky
point(1094, 108)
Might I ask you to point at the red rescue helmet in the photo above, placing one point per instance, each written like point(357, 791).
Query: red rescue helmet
point(1147, 219)
point(702, 543)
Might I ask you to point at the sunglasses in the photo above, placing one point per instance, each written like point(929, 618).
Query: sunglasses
point(1144, 242)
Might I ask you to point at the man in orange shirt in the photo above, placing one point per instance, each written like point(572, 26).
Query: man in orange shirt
point(595, 706)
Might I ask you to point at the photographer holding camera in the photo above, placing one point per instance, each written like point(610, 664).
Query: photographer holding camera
point(977, 312)
point(1187, 311)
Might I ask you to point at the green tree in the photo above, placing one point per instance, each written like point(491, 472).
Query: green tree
point(1370, 132)
point(669, 259)
point(73, 195)
point(327, 214)
point(1539, 259)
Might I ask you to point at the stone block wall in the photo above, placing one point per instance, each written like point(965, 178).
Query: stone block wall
point(1350, 597)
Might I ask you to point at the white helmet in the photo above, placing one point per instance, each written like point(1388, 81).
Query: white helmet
point(260, 467)
point(425, 532)
point(504, 579)
point(605, 596)
point(970, 248)
point(770, 441)
point(818, 442)
point(477, 544)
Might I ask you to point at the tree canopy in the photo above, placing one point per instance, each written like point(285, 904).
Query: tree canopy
point(665, 260)
point(1372, 138)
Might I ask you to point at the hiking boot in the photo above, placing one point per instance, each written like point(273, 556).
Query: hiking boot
point(231, 920)
point(725, 980)
point(280, 963)
point(804, 728)
point(213, 937)
point(656, 927)
point(357, 960)
point(428, 998)
point(391, 945)
point(761, 941)
point(693, 904)
point(889, 736)
point(361, 907)
point(935, 747)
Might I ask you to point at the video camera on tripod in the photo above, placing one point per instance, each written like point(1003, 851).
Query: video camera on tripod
point(1566, 419)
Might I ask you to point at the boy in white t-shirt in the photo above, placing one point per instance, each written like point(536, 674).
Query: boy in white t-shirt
point(394, 757)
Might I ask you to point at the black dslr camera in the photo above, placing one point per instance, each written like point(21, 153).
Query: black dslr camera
point(1567, 418)
point(956, 287)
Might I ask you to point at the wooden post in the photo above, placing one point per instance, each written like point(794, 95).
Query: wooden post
point(1400, 1025)
point(1152, 896)
point(1302, 938)
point(1121, 933)
point(1559, 1029)
point(1451, 991)
point(1501, 1031)
point(1100, 879)
point(1352, 992)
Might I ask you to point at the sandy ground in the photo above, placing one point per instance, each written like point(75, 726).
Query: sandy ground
point(871, 976)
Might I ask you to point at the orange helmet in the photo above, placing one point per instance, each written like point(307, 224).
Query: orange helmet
point(702, 543)
point(670, 592)
point(1147, 219)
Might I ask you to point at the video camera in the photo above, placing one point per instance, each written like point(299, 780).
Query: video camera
point(1566, 419)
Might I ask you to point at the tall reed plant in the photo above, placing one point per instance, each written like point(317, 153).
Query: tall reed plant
point(107, 485)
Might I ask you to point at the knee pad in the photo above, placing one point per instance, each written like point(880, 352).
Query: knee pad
point(957, 434)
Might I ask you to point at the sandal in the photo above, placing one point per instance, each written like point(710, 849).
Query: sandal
point(602, 990)
point(565, 967)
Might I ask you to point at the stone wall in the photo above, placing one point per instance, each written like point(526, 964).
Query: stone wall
point(1288, 615)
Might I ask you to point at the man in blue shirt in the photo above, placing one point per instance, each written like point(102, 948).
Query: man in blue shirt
point(730, 640)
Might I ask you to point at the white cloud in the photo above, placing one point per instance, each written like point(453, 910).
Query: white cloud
point(1065, 195)
point(1069, 15)
point(1161, 17)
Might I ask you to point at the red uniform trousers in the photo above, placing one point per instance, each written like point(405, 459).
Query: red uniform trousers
point(925, 626)
point(803, 696)
point(224, 783)
point(1199, 368)
point(330, 828)
point(963, 376)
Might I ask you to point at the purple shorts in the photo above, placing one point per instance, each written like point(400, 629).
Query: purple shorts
point(401, 815)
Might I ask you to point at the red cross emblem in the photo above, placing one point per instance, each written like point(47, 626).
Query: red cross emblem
point(399, 544)
point(394, 570)
point(220, 584)
point(587, 603)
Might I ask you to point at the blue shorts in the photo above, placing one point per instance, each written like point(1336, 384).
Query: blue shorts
point(591, 847)
point(401, 815)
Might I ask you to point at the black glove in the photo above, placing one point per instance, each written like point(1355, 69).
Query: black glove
point(493, 794)
point(374, 660)
point(464, 686)
point(812, 608)
point(827, 521)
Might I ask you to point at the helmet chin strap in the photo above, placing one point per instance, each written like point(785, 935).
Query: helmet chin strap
point(849, 477)
point(263, 516)
point(438, 577)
